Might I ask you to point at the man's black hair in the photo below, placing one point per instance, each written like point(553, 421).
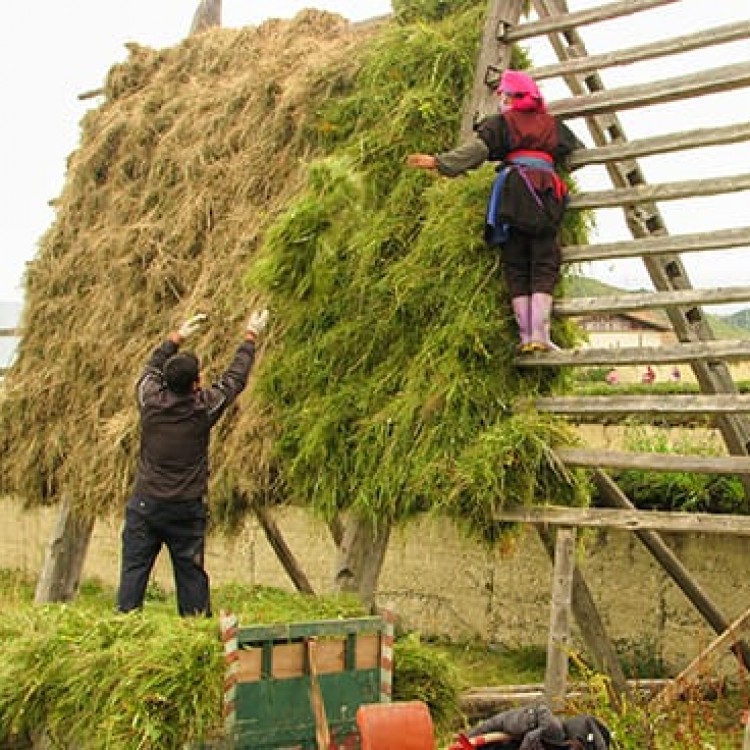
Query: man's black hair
point(181, 371)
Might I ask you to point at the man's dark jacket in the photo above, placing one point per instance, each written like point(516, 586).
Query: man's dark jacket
point(173, 460)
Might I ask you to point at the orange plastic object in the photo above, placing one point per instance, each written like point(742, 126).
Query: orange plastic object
point(395, 726)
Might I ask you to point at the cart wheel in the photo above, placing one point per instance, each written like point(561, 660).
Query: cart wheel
point(387, 726)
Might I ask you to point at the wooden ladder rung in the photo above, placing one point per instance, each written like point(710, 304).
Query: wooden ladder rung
point(725, 78)
point(621, 519)
point(729, 403)
point(660, 144)
point(721, 239)
point(570, 20)
point(707, 351)
point(573, 306)
point(665, 191)
point(662, 462)
point(705, 37)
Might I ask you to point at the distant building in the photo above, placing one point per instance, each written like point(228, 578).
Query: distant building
point(626, 330)
point(621, 330)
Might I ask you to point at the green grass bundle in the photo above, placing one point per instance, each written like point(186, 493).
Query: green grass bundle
point(277, 154)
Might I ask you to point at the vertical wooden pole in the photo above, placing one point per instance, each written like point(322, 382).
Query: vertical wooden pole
point(558, 641)
point(207, 16)
point(600, 647)
point(494, 53)
point(65, 556)
point(360, 558)
point(322, 730)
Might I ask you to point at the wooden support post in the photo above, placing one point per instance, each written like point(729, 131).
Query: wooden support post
point(592, 628)
point(207, 16)
point(65, 556)
point(322, 730)
point(494, 53)
point(283, 552)
point(558, 642)
point(613, 495)
point(360, 558)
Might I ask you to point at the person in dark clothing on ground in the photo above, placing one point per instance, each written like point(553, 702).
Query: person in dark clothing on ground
point(527, 200)
point(536, 728)
point(167, 505)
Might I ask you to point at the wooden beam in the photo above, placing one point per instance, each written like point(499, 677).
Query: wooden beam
point(62, 569)
point(558, 639)
point(661, 144)
point(566, 21)
point(627, 519)
point(494, 53)
point(665, 191)
point(616, 405)
point(479, 703)
point(655, 461)
point(663, 90)
point(703, 662)
point(653, 246)
point(577, 306)
point(207, 16)
point(281, 548)
point(707, 351)
point(666, 272)
point(726, 33)
point(92, 93)
point(599, 646)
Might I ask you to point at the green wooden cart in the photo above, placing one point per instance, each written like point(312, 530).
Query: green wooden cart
point(295, 685)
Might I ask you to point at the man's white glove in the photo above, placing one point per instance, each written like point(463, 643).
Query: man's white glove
point(257, 322)
point(190, 326)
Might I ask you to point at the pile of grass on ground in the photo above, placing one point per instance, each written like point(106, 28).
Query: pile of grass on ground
point(95, 679)
point(152, 680)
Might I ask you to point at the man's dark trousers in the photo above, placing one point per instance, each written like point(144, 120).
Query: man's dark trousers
point(181, 526)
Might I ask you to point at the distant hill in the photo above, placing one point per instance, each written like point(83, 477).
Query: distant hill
point(734, 326)
point(740, 319)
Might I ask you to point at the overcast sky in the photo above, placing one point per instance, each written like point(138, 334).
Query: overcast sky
point(53, 50)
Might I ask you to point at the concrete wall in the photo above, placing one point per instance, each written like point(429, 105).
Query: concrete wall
point(442, 583)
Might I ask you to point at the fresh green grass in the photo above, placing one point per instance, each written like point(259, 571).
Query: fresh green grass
point(153, 680)
point(483, 665)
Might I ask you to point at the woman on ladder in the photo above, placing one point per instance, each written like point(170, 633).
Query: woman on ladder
point(527, 200)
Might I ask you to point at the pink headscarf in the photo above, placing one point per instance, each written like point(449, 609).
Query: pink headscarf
point(524, 93)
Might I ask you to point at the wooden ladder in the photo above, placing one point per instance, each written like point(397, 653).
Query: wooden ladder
point(696, 344)
point(660, 252)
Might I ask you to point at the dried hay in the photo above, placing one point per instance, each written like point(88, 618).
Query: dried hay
point(386, 384)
